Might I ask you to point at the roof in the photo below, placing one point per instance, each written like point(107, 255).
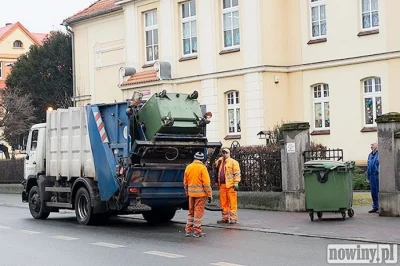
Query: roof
point(35, 37)
point(5, 29)
point(142, 77)
point(100, 7)
point(40, 37)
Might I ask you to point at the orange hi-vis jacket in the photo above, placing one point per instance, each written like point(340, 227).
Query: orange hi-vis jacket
point(197, 180)
point(232, 171)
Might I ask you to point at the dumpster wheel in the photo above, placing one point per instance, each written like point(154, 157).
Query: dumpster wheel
point(343, 215)
point(311, 216)
point(319, 214)
point(350, 212)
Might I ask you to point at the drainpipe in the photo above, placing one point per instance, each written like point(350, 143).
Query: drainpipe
point(71, 33)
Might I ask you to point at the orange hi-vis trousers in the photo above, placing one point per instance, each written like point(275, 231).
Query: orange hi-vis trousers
point(195, 215)
point(228, 201)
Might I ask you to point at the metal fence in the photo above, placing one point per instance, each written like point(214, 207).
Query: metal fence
point(326, 154)
point(11, 171)
point(260, 171)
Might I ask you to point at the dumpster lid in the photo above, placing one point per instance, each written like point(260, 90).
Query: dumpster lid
point(327, 164)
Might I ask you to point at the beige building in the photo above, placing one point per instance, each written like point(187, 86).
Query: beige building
point(15, 40)
point(255, 63)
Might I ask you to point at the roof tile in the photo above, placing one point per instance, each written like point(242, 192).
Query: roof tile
point(98, 6)
point(5, 29)
point(142, 77)
point(40, 37)
point(36, 37)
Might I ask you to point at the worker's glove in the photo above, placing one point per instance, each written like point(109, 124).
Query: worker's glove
point(209, 199)
point(236, 187)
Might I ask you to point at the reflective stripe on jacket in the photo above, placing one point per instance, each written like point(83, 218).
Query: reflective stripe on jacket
point(232, 172)
point(197, 180)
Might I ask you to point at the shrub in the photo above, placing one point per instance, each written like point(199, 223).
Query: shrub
point(314, 146)
point(359, 182)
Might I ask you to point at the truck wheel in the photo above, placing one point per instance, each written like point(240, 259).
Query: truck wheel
point(83, 207)
point(158, 216)
point(35, 204)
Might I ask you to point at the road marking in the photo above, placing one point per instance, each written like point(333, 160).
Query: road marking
point(108, 245)
point(29, 232)
point(65, 238)
point(225, 264)
point(163, 254)
point(4, 227)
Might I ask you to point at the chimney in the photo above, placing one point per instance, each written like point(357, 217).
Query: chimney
point(8, 24)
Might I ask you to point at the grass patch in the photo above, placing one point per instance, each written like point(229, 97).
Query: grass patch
point(362, 199)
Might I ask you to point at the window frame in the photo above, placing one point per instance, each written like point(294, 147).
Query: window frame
point(318, 4)
point(373, 95)
point(151, 28)
point(18, 41)
point(1, 69)
point(322, 100)
point(34, 140)
point(370, 14)
point(226, 11)
point(235, 106)
point(189, 19)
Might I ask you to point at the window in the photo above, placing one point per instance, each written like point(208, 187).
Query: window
point(17, 44)
point(230, 12)
point(1, 69)
point(233, 112)
point(151, 33)
point(370, 15)
point(34, 140)
point(318, 18)
point(189, 30)
point(372, 100)
point(322, 118)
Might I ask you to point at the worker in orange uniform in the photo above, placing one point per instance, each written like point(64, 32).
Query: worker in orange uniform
point(228, 179)
point(198, 188)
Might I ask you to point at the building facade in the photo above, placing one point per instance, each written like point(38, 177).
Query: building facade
point(15, 40)
point(254, 63)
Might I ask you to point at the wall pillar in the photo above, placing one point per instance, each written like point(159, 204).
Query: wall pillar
point(210, 98)
point(389, 160)
point(296, 140)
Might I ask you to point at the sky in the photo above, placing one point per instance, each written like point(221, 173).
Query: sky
point(40, 16)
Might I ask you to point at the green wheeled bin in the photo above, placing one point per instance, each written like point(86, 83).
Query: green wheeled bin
point(328, 187)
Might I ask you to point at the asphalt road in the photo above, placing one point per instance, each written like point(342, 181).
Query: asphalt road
point(60, 240)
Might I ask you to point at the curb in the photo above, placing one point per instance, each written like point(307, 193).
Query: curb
point(277, 232)
point(11, 188)
point(252, 229)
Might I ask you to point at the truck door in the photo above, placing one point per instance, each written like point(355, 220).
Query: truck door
point(30, 162)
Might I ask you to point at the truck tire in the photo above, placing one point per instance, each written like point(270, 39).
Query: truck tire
point(159, 216)
point(83, 207)
point(36, 205)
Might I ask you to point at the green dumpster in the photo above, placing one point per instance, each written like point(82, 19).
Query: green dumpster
point(328, 187)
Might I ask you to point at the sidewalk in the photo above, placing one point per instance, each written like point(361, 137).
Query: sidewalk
point(363, 227)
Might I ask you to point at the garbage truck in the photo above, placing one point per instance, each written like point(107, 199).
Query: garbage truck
point(122, 158)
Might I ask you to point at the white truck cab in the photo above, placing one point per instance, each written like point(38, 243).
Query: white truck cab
point(35, 151)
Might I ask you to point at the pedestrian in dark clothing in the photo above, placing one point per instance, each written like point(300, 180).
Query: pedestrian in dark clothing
point(373, 176)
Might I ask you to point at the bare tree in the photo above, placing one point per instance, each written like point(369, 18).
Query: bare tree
point(17, 116)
